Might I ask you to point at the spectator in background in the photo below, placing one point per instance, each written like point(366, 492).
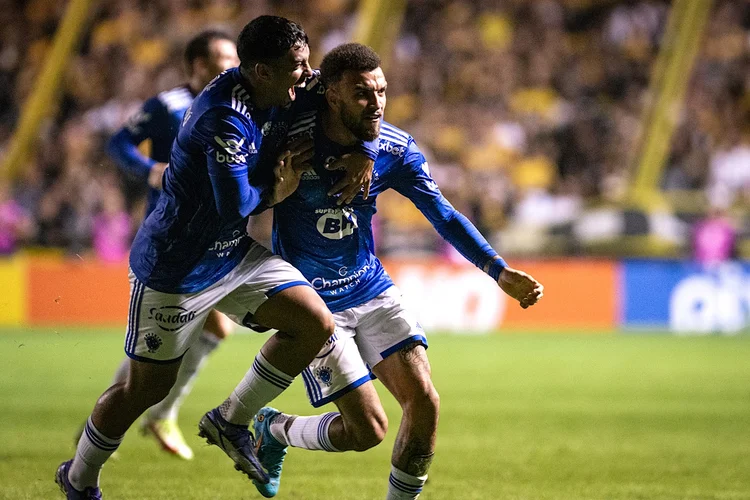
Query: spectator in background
point(111, 227)
point(714, 237)
point(15, 224)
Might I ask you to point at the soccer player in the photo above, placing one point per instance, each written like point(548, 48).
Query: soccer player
point(192, 254)
point(333, 247)
point(158, 120)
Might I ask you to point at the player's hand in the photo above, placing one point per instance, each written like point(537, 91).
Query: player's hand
point(155, 175)
point(301, 152)
point(357, 177)
point(522, 287)
point(290, 165)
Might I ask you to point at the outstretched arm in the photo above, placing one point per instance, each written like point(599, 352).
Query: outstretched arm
point(417, 185)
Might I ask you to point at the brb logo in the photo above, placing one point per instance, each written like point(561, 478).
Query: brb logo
point(232, 148)
point(171, 318)
point(336, 223)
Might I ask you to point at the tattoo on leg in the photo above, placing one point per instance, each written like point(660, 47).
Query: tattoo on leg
point(418, 465)
point(413, 354)
point(414, 457)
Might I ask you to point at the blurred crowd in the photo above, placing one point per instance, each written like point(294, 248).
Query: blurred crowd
point(527, 110)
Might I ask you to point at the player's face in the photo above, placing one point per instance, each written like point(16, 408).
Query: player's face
point(223, 56)
point(362, 102)
point(287, 73)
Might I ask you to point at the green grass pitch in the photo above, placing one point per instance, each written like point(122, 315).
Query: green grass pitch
point(523, 417)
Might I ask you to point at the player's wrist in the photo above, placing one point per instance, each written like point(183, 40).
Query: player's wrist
point(495, 267)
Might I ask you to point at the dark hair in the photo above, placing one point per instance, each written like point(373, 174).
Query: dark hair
point(350, 56)
point(266, 38)
point(200, 45)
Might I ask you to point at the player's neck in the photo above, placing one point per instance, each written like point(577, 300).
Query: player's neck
point(335, 130)
point(257, 98)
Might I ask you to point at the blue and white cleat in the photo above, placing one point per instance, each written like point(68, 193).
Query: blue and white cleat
point(236, 441)
point(271, 453)
point(61, 478)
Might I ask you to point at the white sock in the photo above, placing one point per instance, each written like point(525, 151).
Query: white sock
point(261, 384)
point(403, 486)
point(192, 362)
point(310, 433)
point(121, 375)
point(94, 448)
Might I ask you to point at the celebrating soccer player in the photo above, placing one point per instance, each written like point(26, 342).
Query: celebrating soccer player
point(158, 120)
point(192, 254)
point(333, 247)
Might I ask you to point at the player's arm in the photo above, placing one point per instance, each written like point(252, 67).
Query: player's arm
point(416, 184)
point(356, 166)
point(123, 146)
point(224, 134)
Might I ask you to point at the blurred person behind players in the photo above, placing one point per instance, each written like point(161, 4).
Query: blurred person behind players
point(206, 55)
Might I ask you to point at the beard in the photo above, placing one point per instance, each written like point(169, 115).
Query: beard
point(362, 130)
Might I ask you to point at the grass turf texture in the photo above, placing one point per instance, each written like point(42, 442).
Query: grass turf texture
point(523, 417)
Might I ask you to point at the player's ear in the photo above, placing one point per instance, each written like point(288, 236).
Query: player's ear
point(263, 71)
point(333, 97)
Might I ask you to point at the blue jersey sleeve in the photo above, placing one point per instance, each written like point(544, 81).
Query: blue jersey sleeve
point(230, 156)
point(414, 182)
point(313, 97)
point(145, 124)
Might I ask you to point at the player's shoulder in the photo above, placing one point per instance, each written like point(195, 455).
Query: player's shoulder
point(396, 142)
point(176, 99)
point(394, 135)
point(224, 97)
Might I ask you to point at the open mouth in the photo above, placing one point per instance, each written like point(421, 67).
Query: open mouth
point(373, 118)
point(293, 91)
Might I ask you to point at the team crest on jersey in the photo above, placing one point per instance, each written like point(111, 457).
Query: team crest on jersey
point(325, 375)
point(153, 342)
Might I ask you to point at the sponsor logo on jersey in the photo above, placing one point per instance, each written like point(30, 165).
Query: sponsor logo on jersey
point(233, 148)
point(309, 176)
point(266, 128)
point(321, 283)
point(223, 247)
point(337, 223)
point(170, 318)
point(389, 147)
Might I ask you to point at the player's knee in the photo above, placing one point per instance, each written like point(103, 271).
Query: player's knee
point(149, 392)
point(372, 434)
point(324, 324)
point(424, 404)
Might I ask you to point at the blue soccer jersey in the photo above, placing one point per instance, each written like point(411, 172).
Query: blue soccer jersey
point(221, 162)
point(333, 246)
point(158, 121)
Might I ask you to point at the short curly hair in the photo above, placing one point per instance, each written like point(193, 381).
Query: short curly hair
point(350, 56)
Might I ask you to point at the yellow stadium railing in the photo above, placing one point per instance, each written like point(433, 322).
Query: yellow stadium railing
point(669, 81)
point(46, 86)
point(379, 24)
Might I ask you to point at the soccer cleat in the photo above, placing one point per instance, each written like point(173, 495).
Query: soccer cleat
point(271, 453)
point(61, 478)
point(236, 441)
point(169, 436)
